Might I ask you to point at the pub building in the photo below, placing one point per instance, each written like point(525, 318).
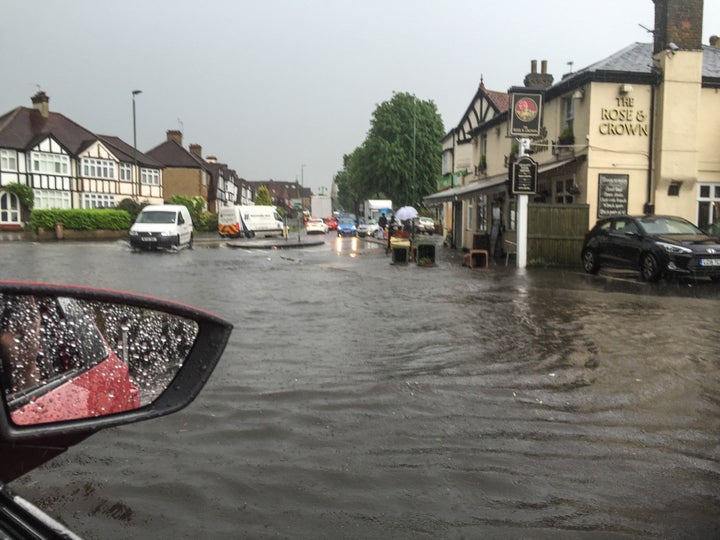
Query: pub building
point(637, 132)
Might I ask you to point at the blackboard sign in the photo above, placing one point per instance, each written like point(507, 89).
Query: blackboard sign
point(524, 176)
point(612, 195)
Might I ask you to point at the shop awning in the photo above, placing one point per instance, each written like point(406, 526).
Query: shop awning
point(465, 191)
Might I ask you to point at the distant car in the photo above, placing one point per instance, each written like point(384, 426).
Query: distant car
point(346, 227)
point(331, 222)
point(316, 226)
point(657, 246)
point(370, 228)
point(425, 225)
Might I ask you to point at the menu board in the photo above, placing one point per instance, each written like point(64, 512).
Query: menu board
point(612, 195)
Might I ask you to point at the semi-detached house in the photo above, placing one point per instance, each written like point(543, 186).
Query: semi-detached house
point(68, 166)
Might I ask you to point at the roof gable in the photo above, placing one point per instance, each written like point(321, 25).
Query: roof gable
point(485, 105)
point(23, 127)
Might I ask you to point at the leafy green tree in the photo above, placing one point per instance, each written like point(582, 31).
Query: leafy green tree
point(263, 197)
point(400, 158)
point(195, 205)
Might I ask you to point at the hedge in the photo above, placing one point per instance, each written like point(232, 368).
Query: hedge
point(81, 220)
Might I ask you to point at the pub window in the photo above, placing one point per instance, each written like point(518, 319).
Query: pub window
point(564, 189)
point(481, 221)
point(708, 204)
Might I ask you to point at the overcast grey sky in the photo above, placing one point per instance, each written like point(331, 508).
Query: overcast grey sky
point(267, 86)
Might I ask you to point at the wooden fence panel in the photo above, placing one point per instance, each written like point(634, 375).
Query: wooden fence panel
point(556, 233)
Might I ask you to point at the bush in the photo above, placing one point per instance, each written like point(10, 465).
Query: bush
point(131, 207)
point(206, 222)
point(81, 220)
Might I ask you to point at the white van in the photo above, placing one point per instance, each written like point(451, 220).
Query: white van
point(237, 221)
point(162, 226)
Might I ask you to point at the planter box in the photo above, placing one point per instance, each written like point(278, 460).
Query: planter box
point(425, 254)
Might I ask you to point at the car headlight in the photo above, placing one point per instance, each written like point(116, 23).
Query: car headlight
point(167, 233)
point(133, 233)
point(674, 248)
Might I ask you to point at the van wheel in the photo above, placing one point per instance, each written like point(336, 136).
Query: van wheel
point(190, 243)
point(250, 234)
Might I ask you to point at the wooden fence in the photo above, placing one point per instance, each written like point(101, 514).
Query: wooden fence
point(556, 233)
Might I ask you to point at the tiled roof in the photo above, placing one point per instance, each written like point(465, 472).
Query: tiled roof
point(638, 58)
point(24, 127)
point(126, 153)
point(500, 99)
point(172, 154)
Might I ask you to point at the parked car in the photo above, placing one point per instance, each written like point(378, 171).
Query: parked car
point(68, 369)
point(369, 228)
point(346, 227)
point(425, 225)
point(331, 222)
point(714, 229)
point(657, 246)
point(316, 226)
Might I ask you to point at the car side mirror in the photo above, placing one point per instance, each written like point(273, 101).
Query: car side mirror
point(76, 360)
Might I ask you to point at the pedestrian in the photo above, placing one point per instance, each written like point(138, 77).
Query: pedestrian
point(391, 228)
point(382, 222)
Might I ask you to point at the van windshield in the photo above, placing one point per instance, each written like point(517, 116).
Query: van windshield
point(156, 217)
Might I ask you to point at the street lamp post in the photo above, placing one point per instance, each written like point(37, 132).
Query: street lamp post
point(135, 170)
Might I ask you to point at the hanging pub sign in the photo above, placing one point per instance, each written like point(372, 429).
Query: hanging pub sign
point(526, 113)
point(524, 178)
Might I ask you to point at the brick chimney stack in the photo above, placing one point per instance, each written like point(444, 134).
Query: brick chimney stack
point(196, 150)
point(538, 80)
point(41, 103)
point(678, 22)
point(174, 135)
point(715, 41)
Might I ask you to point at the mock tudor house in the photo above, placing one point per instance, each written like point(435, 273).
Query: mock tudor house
point(637, 132)
point(68, 166)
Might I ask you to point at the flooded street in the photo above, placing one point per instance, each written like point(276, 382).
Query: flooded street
point(357, 399)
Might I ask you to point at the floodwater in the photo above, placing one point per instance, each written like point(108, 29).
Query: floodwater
point(357, 399)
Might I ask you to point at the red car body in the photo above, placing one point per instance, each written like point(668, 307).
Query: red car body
point(105, 388)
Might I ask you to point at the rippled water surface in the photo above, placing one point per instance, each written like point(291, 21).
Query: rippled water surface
point(358, 399)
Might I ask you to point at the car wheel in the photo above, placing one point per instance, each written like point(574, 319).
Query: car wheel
point(649, 268)
point(190, 243)
point(590, 263)
point(250, 234)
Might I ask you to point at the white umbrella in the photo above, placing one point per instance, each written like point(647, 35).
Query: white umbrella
point(405, 213)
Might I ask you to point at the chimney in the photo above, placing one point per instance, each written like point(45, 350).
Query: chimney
point(41, 103)
point(715, 41)
point(678, 22)
point(538, 80)
point(174, 135)
point(196, 150)
point(211, 159)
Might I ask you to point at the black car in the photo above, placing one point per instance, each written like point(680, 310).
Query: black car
point(657, 246)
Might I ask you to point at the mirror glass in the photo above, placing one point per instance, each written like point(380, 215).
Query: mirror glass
point(67, 358)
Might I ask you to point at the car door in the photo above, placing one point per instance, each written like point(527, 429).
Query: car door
point(184, 224)
point(625, 242)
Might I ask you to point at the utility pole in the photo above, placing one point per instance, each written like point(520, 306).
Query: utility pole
point(135, 169)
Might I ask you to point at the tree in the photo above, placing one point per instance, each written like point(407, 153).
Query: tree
point(400, 158)
point(263, 197)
